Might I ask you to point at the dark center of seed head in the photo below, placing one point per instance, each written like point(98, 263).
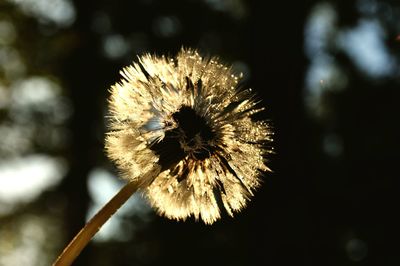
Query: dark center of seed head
point(192, 125)
point(191, 137)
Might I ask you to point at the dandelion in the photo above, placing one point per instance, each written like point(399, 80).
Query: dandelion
point(181, 130)
point(185, 119)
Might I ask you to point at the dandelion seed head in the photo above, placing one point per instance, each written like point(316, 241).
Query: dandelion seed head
point(183, 129)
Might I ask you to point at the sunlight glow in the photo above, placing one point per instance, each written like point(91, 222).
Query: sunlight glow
point(28, 239)
point(61, 12)
point(102, 187)
point(7, 32)
point(115, 46)
point(319, 29)
point(365, 44)
point(24, 179)
point(11, 63)
point(323, 74)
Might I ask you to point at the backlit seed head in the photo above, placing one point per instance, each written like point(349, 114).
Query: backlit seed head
point(183, 130)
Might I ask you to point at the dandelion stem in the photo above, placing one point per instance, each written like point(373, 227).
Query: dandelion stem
point(79, 242)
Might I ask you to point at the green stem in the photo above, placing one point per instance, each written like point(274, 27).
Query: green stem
point(79, 242)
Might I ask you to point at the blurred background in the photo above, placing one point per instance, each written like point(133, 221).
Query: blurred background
point(327, 71)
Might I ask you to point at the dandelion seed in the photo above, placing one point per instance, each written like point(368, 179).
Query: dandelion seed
point(185, 120)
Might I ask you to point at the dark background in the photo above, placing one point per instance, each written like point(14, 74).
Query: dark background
point(332, 198)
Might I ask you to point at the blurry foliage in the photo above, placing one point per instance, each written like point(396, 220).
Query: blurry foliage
point(333, 196)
